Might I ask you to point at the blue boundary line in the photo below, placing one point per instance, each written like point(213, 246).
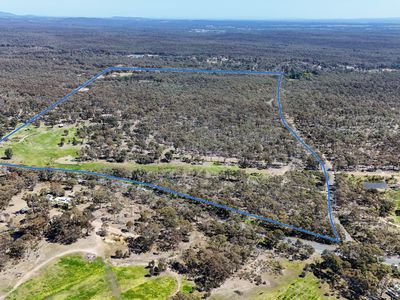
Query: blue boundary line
point(170, 191)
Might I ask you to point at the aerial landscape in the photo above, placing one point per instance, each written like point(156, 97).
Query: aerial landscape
point(197, 154)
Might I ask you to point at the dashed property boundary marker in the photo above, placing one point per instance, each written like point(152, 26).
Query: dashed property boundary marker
point(173, 192)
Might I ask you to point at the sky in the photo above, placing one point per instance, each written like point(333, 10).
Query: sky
point(208, 9)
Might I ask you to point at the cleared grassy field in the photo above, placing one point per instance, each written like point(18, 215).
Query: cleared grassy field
point(158, 168)
point(74, 278)
point(306, 288)
point(288, 286)
point(40, 146)
point(187, 286)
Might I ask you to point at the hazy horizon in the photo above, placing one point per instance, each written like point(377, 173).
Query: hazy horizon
point(200, 19)
point(251, 10)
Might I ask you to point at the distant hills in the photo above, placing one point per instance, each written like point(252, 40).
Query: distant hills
point(7, 15)
point(120, 18)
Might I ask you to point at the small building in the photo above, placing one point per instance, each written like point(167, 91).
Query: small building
point(135, 55)
point(91, 256)
point(375, 185)
point(59, 200)
point(3, 171)
point(22, 211)
point(394, 292)
point(63, 200)
point(331, 179)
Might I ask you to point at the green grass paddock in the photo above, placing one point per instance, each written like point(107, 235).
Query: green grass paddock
point(74, 278)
